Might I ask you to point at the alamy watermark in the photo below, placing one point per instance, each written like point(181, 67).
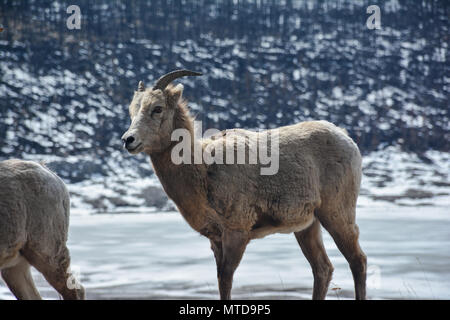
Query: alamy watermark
point(374, 20)
point(74, 20)
point(72, 280)
point(232, 147)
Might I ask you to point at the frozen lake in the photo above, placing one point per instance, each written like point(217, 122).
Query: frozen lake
point(158, 256)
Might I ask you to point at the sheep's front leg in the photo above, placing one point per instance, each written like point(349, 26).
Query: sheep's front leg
point(233, 247)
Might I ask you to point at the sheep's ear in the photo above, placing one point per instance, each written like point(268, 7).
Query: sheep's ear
point(177, 92)
point(141, 86)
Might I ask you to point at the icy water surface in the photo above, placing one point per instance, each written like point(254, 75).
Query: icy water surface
point(158, 256)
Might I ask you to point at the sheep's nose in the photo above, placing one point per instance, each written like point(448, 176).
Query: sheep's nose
point(126, 142)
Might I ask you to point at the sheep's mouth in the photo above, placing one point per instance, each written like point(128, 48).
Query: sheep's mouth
point(135, 148)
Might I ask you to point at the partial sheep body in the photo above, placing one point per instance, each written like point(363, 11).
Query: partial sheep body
point(34, 221)
point(306, 180)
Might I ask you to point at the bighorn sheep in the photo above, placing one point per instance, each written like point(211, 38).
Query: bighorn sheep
point(34, 219)
point(317, 183)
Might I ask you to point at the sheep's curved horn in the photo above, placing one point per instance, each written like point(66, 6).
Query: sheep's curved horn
point(168, 78)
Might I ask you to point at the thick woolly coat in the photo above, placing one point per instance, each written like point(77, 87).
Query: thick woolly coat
point(319, 173)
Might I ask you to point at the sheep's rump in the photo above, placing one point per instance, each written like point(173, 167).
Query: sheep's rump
point(319, 165)
point(34, 208)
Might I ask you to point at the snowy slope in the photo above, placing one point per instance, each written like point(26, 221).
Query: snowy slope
point(65, 101)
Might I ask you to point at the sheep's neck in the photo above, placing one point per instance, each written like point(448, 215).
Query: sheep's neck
point(184, 184)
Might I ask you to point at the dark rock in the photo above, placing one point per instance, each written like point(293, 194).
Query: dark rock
point(154, 197)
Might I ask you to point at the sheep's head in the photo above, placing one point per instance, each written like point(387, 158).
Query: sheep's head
point(152, 114)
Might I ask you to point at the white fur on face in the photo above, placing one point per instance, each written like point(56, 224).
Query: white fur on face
point(149, 122)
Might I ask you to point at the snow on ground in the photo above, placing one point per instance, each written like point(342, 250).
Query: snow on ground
point(158, 256)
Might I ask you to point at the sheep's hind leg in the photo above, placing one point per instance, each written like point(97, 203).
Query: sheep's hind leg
point(233, 247)
point(20, 282)
point(345, 233)
point(55, 271)
point(310, 241)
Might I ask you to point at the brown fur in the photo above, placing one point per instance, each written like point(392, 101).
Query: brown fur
point(317, 183)
point(34, 220)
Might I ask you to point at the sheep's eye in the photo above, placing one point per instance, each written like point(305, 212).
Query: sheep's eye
point(157, 110)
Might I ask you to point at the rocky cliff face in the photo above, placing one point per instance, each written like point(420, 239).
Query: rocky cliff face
point(64, 93)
